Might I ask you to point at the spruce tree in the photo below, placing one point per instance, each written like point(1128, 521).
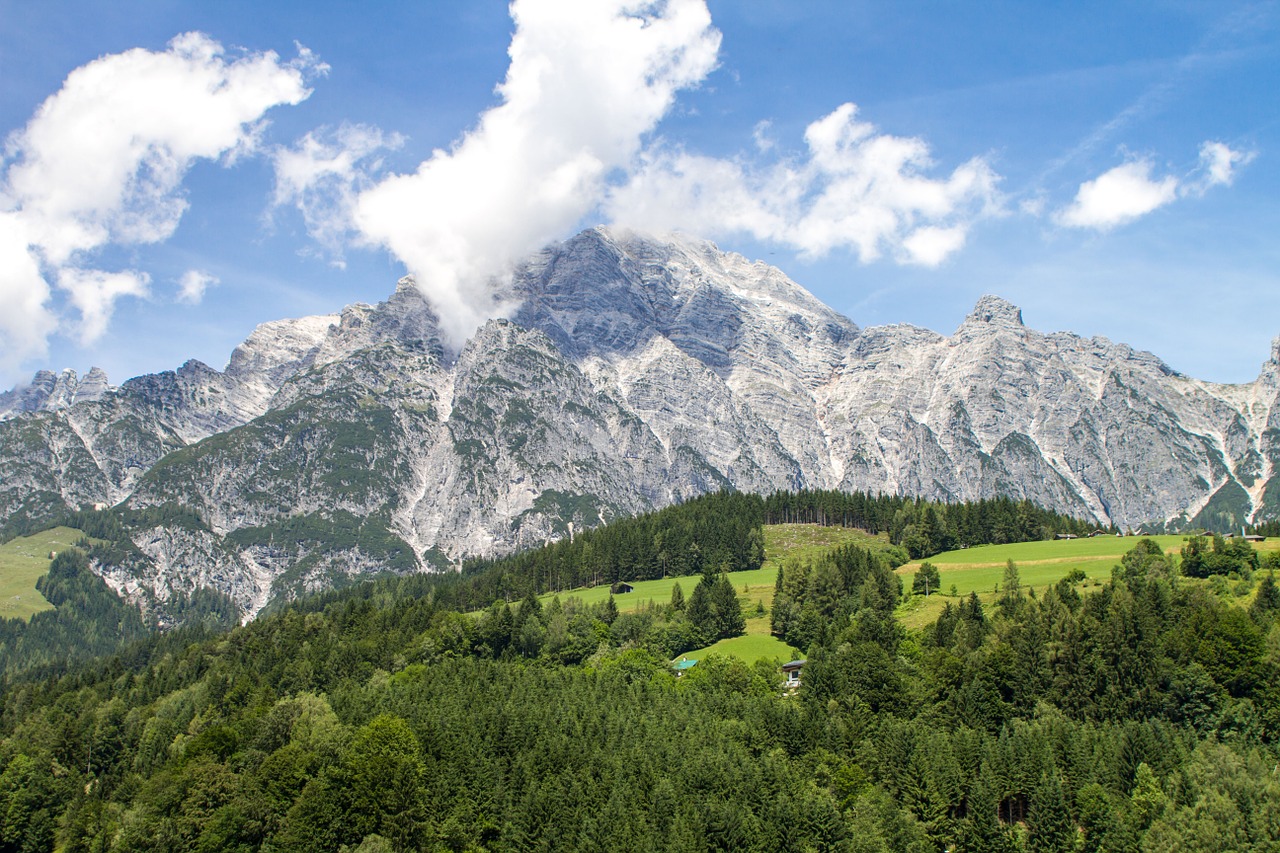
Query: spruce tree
point(728, 612)
point(981, 830)
point(1267, 602)
point(699, 610)
point(1049, 825)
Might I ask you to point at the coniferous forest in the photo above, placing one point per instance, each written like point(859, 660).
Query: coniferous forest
point(465, 712)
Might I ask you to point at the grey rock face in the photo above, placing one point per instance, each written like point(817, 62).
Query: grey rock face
point(50, 392)
point(637, 372)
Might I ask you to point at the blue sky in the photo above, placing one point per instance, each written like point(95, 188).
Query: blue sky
point(1110, 168)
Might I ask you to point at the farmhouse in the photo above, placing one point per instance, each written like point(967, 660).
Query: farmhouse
point(791, 670)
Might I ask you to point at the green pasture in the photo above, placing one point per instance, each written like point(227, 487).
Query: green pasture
point(756, 644)
point(809, 541)
point(979, 570)
point(22, 562)
point(755, 588)
point(752, 586)
point(1040, 565)
point(1054, 550)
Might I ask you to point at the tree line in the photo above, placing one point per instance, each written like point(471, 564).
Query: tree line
point(1141, 714)
point(925, 527)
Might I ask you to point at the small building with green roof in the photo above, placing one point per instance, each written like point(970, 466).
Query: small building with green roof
point(683, 665)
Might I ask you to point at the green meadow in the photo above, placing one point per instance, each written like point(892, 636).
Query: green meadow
point(756, 644)
point(752, 586)
point(783, 542)
point(1040, 565)
point(979, 570)
point(22, 562)
point(1061, 551)
point(755, 588)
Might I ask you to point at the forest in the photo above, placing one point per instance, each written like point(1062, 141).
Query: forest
point(415, 713)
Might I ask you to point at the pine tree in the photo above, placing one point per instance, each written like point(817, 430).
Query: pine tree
point(1049, 825)
point(1267, 602)
point(699, 610)
point(981, 830)
point(1010, 590)
point(728, 612)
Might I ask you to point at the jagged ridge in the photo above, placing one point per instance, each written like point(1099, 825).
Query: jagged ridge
point(636, 373)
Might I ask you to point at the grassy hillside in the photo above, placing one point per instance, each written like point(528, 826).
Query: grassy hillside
point(756, 644)
point(1040, 565)
point(381, 717)
point(782, 542)
point(22, 562)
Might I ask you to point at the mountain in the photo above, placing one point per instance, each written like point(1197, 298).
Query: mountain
point(636, 373)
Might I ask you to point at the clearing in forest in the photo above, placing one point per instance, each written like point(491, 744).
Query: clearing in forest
point(1040, 565)
point(22, 562)
point(782, 542)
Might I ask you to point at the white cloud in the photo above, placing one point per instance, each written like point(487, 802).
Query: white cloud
point(322, 175)
point(857, 188)
point(1218, 163)
point(1120, 195)
point(193, 284)
point(102, 161)
point(25, 320)
point(760, 133)
point(587, 80)
point(94, 293)
point(1129, 192)
point(930, 245)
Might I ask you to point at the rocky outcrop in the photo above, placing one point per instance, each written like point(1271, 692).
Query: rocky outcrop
point(636, 372)
point(50, 392)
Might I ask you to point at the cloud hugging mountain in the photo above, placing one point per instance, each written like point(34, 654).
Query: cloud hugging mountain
point(636, 372)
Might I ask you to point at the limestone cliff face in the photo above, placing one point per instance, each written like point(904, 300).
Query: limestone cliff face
point(50, 392)
point(636, 372)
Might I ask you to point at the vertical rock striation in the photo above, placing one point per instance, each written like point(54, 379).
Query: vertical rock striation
point(636, 372)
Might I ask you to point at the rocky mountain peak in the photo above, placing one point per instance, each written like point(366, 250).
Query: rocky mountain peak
point(994, 311)
point(638, 371)
point(52, 392)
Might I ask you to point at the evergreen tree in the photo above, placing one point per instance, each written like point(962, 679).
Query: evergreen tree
point(1266, 603)
point(1049, 825)
point(1010, 590)
point(699, 611)
point(981, 830)
point(926, 581)
point(729, 621)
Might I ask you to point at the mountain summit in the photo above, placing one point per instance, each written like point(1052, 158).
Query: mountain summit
point(637, 372)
